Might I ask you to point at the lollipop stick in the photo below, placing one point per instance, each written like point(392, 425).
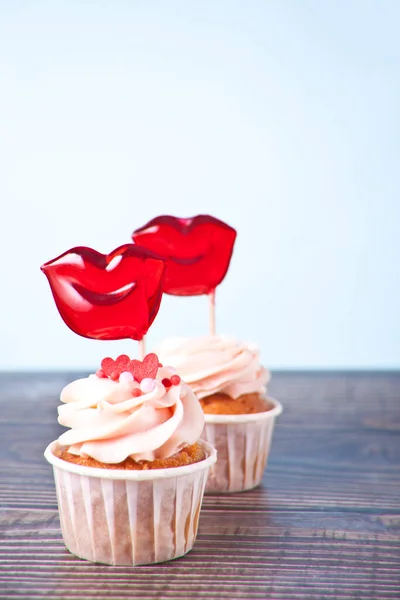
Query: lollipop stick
point(142, 348)
point(211, 297)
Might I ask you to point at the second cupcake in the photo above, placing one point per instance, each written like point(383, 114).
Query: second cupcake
point(227, 377)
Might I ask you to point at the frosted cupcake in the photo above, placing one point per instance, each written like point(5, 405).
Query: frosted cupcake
point(231, 384)
point(131, 470)
point(225, 374)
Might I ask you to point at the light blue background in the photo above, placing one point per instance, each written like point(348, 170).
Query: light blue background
point(280, 117)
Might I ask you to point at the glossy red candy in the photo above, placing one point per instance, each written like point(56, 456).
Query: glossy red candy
point(197, 250)
point(107, 296)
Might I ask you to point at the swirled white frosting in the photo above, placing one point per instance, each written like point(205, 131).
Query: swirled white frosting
point(212, 364)
point(109, 425)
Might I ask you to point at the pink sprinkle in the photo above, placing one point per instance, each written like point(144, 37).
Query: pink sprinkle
point(125, 377)
point(175, 380)
point(147, 385)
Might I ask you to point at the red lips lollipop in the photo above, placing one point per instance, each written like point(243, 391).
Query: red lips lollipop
point(197, 252)
point(107, 296)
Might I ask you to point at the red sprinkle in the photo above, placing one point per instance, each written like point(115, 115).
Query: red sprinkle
point(100, 373)
point(122, 362)
point(175, 380)
point(166, 382)
point(114, 375)
point(108, 365)
point(136, 393)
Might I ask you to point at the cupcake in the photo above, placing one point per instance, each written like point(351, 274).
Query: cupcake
point(225, 374)
point(130, 472)
point(227, 377)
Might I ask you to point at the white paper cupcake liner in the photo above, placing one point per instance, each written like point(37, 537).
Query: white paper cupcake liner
point(122, 517)
point(242, 443)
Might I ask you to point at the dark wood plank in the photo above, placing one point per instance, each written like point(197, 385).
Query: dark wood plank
point(325, 524)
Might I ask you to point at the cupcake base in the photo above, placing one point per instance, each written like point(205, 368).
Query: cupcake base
point(188, 456)
point(129, 517)
point(242, 442)
point(246, 404)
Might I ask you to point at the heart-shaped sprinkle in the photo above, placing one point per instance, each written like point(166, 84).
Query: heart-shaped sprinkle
point(108, 366)
point(139, 370)
point(144, 369)
point(123, 361)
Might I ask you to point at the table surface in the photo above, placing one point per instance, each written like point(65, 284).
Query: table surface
point(324, 524)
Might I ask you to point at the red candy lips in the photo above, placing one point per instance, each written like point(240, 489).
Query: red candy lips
point(107, 296)
point(197, 251)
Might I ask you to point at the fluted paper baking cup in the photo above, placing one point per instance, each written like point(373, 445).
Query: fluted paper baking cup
point(123, 517)
point(242, 443)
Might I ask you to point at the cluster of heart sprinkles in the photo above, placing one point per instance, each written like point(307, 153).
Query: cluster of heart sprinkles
point(125, 370)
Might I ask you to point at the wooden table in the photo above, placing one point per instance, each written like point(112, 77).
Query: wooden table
point(325, 523)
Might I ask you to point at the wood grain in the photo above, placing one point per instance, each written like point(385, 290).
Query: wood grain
point(325, 524)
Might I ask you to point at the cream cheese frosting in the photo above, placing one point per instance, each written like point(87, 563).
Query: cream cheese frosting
point(109, 421)
point(212, 364)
